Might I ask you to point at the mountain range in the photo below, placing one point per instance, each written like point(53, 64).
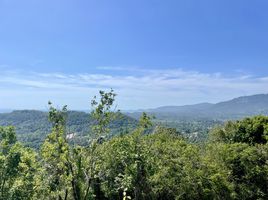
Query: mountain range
point(32, 126)
point(233, 109)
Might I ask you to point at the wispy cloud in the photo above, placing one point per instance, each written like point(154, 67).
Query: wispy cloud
point(142, 88)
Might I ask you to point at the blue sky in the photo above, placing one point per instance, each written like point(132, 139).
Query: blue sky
point(151, 52)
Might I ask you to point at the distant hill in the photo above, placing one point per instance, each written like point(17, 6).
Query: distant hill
point(182, 109)
point(32, 126)
point(5, 110)
point(194, 121)
point(241, 107)
point(234, 109)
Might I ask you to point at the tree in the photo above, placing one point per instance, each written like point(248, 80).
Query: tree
point(102, 114)
point(249, 130)
point(18, 167)
point(241, 148)
point(55, 153)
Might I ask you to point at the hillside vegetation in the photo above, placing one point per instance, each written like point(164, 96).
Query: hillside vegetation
point(192, 121)
point(32, 126)
point(147, 163)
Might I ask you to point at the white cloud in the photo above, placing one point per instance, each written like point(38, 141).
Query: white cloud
point(142, 89)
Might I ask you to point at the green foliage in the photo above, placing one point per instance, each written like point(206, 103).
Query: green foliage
point(32, 127)
point(55, 152)
point(145, 121)
point(101, 113)
point(249, 130)
point(161, 166)
point(18, 167)
point(151, 162)
point(240, 147)
point(194, 130)
point(246, 167)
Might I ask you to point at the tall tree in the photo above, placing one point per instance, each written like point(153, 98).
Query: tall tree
point(103, 112)
point(55, 152)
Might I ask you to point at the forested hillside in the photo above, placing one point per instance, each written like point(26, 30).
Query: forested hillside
point(193, 121)
point(147, 163)
point(33, 126)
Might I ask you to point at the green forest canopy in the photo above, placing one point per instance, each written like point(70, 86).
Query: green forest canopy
point(144, 164)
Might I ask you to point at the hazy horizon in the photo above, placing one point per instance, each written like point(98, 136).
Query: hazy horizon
point(46, 108)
